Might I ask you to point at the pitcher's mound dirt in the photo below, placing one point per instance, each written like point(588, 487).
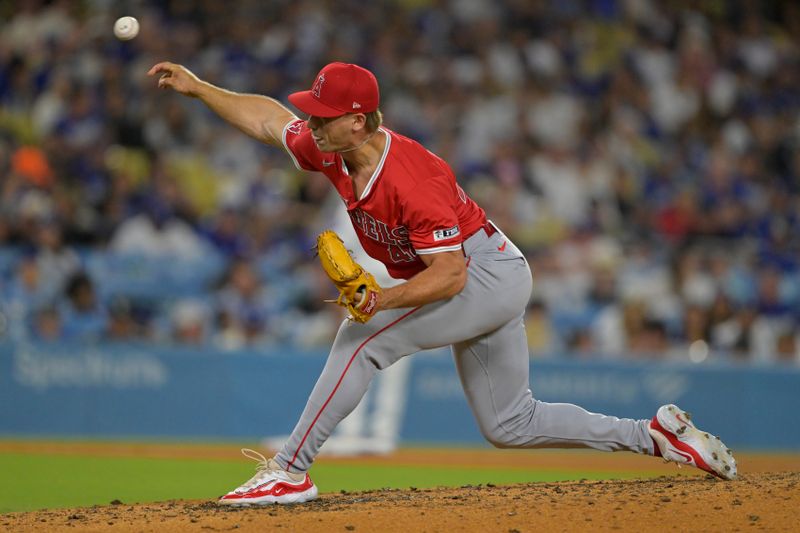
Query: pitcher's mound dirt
point(755, 502)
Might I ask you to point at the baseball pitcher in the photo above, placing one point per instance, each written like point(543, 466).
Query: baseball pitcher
point(467, 287)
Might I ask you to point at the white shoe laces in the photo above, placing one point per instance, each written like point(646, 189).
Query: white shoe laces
point(263, 467)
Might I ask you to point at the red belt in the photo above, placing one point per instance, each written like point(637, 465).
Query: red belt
point(487, 227)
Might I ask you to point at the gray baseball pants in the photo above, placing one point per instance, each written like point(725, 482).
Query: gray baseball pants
point(484, 326)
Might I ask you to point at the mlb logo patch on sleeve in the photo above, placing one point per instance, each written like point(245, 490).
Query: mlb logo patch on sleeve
point(442, 234)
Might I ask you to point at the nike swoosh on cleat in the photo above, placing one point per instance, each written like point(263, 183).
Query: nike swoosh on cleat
point(686, 456)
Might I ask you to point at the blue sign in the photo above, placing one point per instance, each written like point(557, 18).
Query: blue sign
point(141, 391)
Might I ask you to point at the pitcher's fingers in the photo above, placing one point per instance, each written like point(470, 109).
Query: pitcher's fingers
point(164, 66)
point(165, 81)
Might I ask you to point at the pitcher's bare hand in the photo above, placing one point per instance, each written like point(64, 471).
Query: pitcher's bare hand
point(176, 77)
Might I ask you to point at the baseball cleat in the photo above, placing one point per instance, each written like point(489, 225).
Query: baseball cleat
point(680, 441)
point(271, 484)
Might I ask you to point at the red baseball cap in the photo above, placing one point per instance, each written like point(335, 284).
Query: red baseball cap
point(338, 89)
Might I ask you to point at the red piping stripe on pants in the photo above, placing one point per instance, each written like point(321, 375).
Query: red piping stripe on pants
point(330, 397)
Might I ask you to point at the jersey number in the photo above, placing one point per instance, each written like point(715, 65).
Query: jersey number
point(401, 254)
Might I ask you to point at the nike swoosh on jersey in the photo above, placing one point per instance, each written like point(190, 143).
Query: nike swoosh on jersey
point(503, 247)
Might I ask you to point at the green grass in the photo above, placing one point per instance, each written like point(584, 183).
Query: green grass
point(33, 481)
point(37, 481)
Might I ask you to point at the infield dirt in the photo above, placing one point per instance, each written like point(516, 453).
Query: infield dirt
point(766, 497)
point(763, 502)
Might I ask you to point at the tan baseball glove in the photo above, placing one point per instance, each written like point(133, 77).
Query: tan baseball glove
point(358, 290)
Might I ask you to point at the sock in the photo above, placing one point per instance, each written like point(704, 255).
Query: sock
point(656, 449)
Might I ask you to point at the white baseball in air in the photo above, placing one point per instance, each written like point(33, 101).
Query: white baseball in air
point(126, 28)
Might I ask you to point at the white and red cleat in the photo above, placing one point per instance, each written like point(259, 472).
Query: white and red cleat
point(271, 484)
point(680, 441)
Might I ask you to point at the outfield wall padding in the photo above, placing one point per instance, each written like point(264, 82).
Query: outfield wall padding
point(145, 392)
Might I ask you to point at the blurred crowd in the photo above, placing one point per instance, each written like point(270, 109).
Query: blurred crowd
point(643, 154)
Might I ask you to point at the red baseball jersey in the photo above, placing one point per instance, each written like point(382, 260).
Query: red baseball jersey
point(411, 205)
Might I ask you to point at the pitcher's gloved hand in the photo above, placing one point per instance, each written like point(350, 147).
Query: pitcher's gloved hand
point(358, 290)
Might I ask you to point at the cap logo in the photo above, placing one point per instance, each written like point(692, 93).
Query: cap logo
point(356, 105)
point(317, 88)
